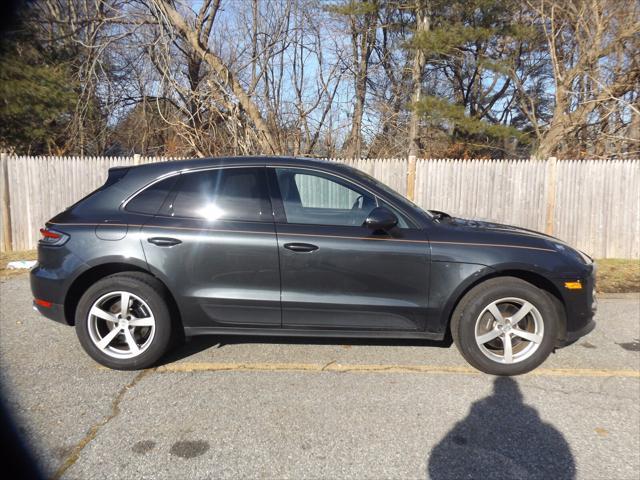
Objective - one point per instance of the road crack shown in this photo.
(328, 365)
(74, 455)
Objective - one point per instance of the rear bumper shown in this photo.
(50, 281)
(54, 312)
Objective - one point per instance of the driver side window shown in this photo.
(318, 199)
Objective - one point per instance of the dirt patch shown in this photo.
(189, 449)
(144, 446)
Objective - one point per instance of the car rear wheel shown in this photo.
(505, 326)
(123, 322)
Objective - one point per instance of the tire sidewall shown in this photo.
(473, 307)
(155, 302)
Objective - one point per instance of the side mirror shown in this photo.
(381, 218)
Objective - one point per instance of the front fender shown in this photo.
(449, 282)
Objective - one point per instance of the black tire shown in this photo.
(151, 292)
(472, 305)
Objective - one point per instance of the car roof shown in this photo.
(137, 177)
(161, 168)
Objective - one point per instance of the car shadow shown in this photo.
(502, 438)
(194, 345)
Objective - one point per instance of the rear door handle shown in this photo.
(300, 247)
(164, 241)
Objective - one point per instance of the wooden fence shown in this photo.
(592, 204)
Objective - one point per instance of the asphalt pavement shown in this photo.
(245, 407)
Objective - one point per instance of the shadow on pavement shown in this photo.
(198, 344)
(502, 438)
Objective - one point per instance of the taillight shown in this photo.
(46, 233)
(43, 303)
(52, 237)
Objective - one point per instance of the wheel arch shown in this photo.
(535, 278)
(97, 272)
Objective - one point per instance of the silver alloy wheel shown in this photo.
(121, 324)
(509, 330)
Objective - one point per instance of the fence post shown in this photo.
(552, 180)
(136, 159)
(411, 178)
(7, 238)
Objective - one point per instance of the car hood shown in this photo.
(488, 226)
(483, 231)
(492, 231)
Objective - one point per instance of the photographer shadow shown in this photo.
(502, 438)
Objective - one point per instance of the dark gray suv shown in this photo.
(285, 246)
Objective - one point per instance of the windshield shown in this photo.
(401, 199)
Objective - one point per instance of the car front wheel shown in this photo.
(123, 322)
(505, 326)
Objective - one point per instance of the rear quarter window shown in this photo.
(150, 200)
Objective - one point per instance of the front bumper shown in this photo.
(580, 306)
(575, 335)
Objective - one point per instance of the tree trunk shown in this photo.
(354, 143)
(363, 40)
(551, 142)
(354, 149)
(419, 62)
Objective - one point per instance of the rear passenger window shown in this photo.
(150, 200)
(223, 194)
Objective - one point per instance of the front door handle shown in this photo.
(164, 241)
(300, 247)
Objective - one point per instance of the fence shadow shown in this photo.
(502, 438)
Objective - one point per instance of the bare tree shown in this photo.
(83, 30)
(593, 50)
(176, 24)
(304, 77)
(314, 92)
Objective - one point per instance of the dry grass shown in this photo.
(614, 275)
(6, 257)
